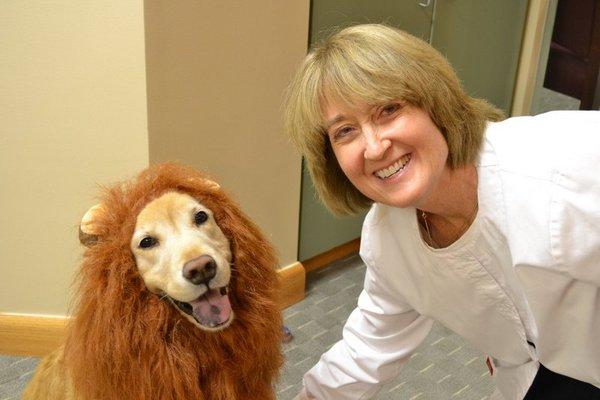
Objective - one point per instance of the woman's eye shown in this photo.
(389, 109)
(148, 242)
(200, 217)
(342, 132)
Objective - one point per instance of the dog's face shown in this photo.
(181, 253)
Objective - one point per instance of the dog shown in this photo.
(176, 299)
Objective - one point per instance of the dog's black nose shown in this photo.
(200, 270)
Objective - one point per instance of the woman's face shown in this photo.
(393, 153)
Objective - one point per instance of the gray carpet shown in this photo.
(444, 367)
(550, 100)
(15, 372)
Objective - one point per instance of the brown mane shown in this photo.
(126, 343)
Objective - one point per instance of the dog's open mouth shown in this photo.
(212, 310)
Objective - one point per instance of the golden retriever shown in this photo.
(177, 299)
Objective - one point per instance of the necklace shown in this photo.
(458, 234)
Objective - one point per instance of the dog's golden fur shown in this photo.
(125, 342)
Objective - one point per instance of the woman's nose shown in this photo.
(375, 146)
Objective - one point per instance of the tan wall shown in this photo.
(216, 75)
(72, 92)
(73, 100)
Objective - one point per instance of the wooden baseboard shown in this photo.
(30, 335)
(37, 335)
(334, 254)
(293, 278)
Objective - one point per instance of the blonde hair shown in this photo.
(375, 64)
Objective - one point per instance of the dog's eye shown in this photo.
(200, 217)
(148, 242)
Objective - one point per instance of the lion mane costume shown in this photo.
(125, 342)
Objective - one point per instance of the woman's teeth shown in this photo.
(392, 169)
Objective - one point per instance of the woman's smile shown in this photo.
(394, 169)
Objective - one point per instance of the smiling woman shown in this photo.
(468, 214)
(373, 66)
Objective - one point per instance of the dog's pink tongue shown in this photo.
(212, 308)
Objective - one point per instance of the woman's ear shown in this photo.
(88, 232)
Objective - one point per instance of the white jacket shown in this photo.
(527, 269)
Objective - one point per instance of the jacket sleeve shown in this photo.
(378, 338)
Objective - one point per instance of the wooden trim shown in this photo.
(292, 278)
(337, 253)
(30, 335)
(529, 58)
(37, 335)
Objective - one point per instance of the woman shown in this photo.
(490, 228)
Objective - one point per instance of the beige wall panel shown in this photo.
(72, 114)
(216, 76)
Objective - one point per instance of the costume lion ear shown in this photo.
(214, 185)
(205, 182)
(88, 231)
